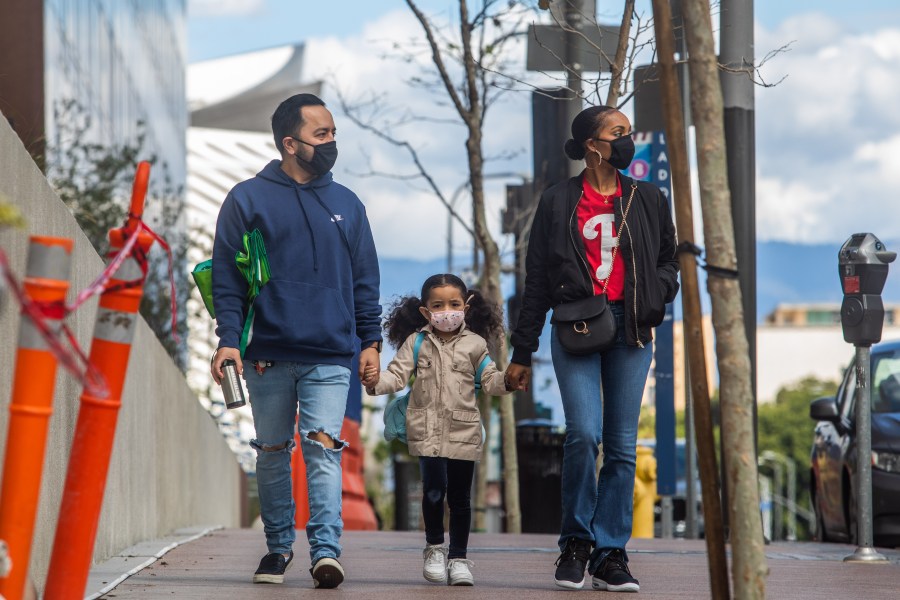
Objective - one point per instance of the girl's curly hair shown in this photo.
(483, 317)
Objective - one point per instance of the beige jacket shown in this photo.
(443, 417)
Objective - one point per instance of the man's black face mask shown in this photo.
(323, 159)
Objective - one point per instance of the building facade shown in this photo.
(114, 68)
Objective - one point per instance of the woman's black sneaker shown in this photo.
(272, 567)
(571, 563)
(612, 574)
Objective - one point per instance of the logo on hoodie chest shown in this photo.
(336, 218)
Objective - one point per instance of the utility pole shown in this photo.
(737, 56)
(574, 18)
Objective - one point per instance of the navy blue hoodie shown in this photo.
(323, 291)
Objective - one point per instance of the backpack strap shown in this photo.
(418, 344)
(484, 363)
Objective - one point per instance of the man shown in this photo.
(321, 296)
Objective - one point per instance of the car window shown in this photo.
(847, 392)
(886, 382)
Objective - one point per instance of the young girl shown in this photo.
(443, 425)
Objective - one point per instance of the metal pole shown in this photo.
(777, 500)
(449, 242)
(737, 54)
(690, 477)
(692, 530)
(864, 552)
(791, 498)
(453, 199)
(666, 524)
(574, 22)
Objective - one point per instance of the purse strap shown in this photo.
(612, 263)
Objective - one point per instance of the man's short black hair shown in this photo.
(288, 118)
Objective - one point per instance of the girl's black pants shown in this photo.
(450, 478)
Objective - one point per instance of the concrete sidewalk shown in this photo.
(388, 565)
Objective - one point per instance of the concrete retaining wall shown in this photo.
(170, 468)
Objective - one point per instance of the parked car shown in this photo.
(833, 460)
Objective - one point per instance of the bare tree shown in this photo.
(465, 67)
(749, 568)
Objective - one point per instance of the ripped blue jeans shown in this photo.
(321, 393)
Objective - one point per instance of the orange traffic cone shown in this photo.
(46, 283)
(114, 329)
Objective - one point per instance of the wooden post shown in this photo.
(748, 559)
(690, 301)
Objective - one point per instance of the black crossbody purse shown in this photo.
(587, 326)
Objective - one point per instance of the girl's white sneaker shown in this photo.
(458, 572)
(435, 569)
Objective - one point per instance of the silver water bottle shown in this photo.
(231, 385)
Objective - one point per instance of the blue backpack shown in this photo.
(395, 411)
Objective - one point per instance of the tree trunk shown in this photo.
(749, 568)
(617, 66)
(690, 298)
(490, 275)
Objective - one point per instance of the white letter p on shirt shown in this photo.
(602, 226)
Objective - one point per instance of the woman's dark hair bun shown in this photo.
(574, 150)
(584, 126)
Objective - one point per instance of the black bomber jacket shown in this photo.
(556, 267)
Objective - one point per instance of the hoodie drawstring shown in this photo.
(330, 216)
(312, 234)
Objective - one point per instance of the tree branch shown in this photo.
(438, 59)
(617, 66)
(414, 155)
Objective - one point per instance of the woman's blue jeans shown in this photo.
(320, 391)
(599, 510)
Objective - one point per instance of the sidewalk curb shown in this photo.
(106, 576)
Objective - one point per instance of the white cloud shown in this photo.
(828, 143)
(830, 201)
(883, 159)
(224, 8)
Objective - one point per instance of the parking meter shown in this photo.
(863, 268)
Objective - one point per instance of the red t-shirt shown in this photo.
(597, 225)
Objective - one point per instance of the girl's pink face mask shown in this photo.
(448, 320)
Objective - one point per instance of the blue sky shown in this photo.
(222, 27)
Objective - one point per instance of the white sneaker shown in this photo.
(458, 572)
(435, 569)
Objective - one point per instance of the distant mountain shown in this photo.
(804, 273)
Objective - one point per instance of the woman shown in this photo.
(598, 233)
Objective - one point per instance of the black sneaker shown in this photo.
(571, 562)
(327, 573)
(272, 567)
(612, 574)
